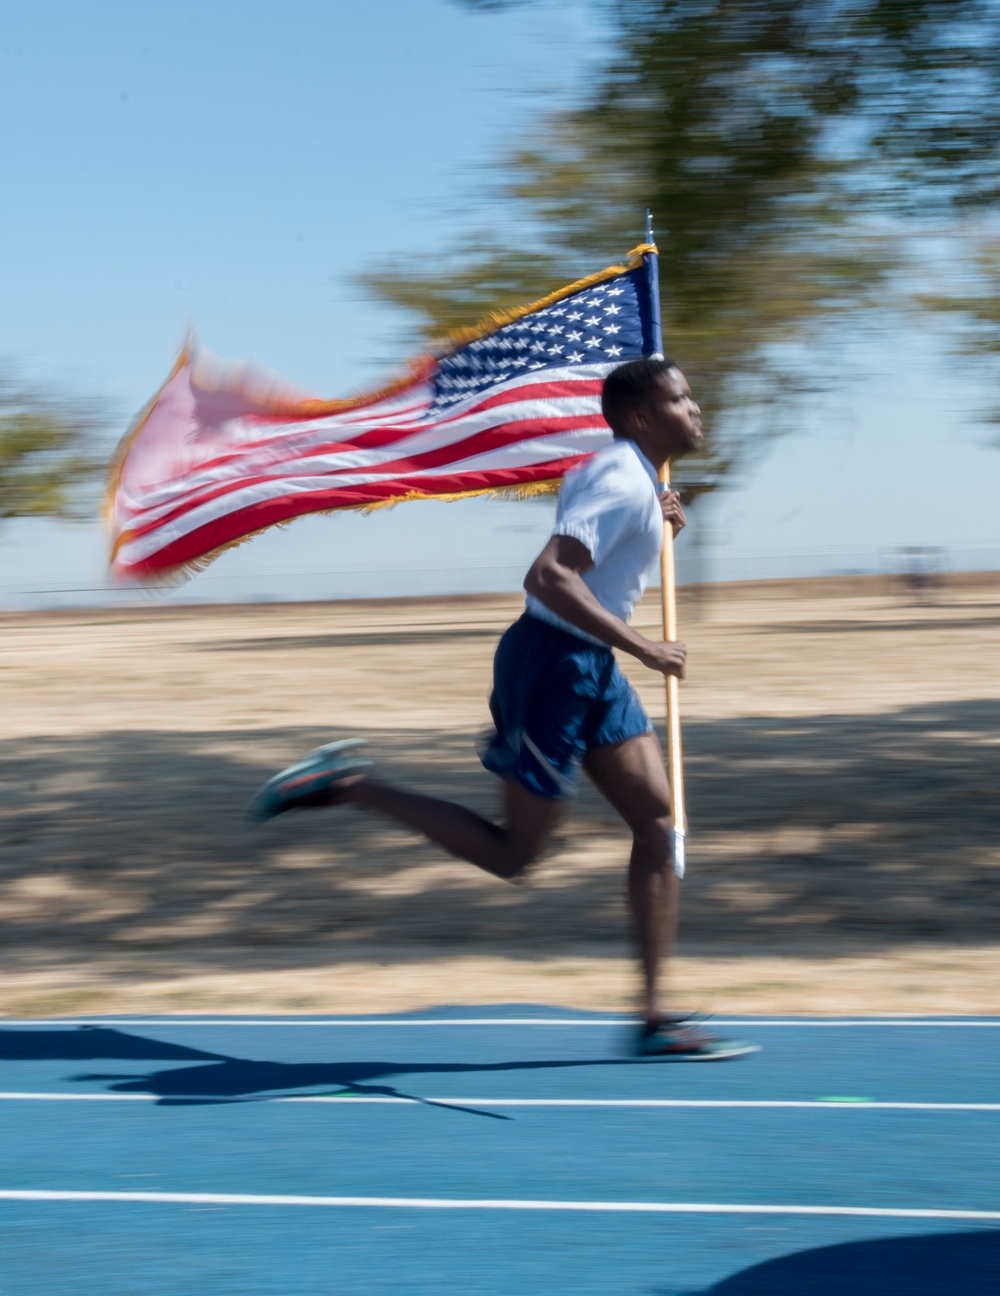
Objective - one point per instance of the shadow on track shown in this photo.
(80, 1042)
(222, 1079)
(938, 1264)
(239, 1080)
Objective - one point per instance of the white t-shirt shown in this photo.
(610, 504)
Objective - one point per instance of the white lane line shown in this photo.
(339, 1021)
(386, 1100)
(742, 1022)
(500, 1204)
(28, 1096)
(644, 1103)
(857, 1021)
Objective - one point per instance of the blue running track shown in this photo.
(499, 1151)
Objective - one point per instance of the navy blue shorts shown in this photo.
(554, 697)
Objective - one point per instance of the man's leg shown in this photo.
(503, 851)
(632, 778)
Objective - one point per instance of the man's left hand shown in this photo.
(670, 504)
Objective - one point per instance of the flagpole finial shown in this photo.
(649, 225)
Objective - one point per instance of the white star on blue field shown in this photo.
(599, 325)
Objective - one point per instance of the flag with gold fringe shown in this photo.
(507, 406)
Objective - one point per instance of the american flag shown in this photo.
(510, 405)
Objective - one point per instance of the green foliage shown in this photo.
(47, 468)
(765, 135)
(972, 300)
(978, 304)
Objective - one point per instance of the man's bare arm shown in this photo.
(555, 578)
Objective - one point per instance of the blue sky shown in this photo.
(230, 166)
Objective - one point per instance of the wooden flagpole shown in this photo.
(675, 761)
(668, 595)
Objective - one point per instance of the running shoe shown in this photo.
(671, 1041)
(310, 782)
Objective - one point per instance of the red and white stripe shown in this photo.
(210, 465)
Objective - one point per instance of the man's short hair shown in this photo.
(628, 386)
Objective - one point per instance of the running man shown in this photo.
(559, 699)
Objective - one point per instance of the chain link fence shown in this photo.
(914, 566)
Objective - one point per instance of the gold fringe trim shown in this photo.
(416, 370)
(524, 491)
(497, 319)
(172, 576)
(281, 408)
(117, 462)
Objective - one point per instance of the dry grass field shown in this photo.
(843, 773)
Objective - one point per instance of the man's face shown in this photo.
(671, 415)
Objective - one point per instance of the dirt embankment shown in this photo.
(843, 783)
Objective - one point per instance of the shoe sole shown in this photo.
(260, 808)
(725, 1054)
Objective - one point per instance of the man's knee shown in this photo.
(654, 838)
(519, 857)
(530, 823)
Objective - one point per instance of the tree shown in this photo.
(771, 138)
(47, 466)
(971, 299)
